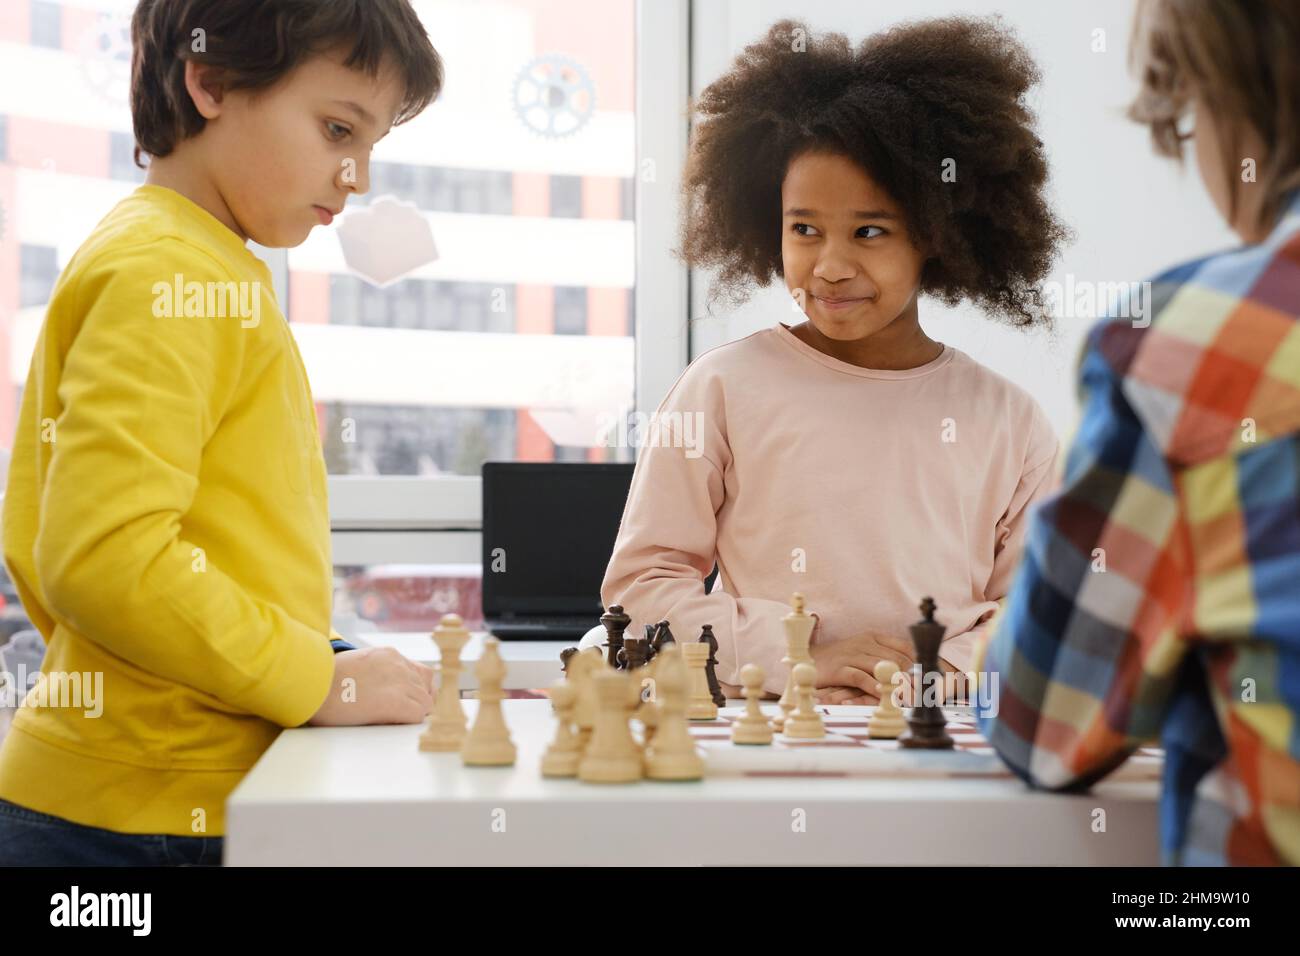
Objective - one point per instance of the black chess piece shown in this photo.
(633, 654)
(652, 643)
(926, 724)
(652, 648)
(565, 656)
(711, 667)
(662, 636)
(615, 623)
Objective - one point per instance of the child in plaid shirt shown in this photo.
(1158, 592)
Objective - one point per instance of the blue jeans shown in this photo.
(28, 838)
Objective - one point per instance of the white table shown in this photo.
(356, 796)
(529, 664)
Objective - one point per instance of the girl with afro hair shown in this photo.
(850, 457)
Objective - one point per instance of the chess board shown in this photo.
(846, 751)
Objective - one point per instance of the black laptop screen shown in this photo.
(548, 531)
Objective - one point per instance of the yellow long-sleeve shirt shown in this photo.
(166, 526)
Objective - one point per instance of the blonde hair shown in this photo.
(1239, 59)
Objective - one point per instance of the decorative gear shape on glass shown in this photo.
(554, 96)
(106, 59)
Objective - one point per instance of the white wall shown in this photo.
(1134, 213)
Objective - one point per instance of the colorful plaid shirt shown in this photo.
(1159, 594)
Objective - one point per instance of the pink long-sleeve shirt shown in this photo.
(863, 489)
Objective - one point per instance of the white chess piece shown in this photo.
(582, 670)
(798, 633)
(700, 705)
(752, 727)
(804, 722)
(446, 729)
(670, 754)
(886, 721)
(489, 743)
(613, 755)
(562, 756)
(646, 708)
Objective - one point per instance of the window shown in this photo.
(47, 24)
(121, 157)
(406, 597)
(38, 269)
(516, 342)
(566, 197)
(570, 310)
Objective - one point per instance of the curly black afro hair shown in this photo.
(899, 105)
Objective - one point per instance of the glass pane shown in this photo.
(66, 158)
(406, 597)
(516, 342)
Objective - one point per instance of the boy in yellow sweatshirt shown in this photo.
(165, 521)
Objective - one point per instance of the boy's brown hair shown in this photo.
(257, 42)
(1239, 57)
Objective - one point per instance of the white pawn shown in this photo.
(489, 743)
(752, 727)
(562, 756)
(886, 721)
(804, 722)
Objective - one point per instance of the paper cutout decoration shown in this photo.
(386, 241)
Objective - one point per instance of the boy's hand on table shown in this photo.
(385, 688)
(851, 663)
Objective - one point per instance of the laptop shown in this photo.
(548, 533)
